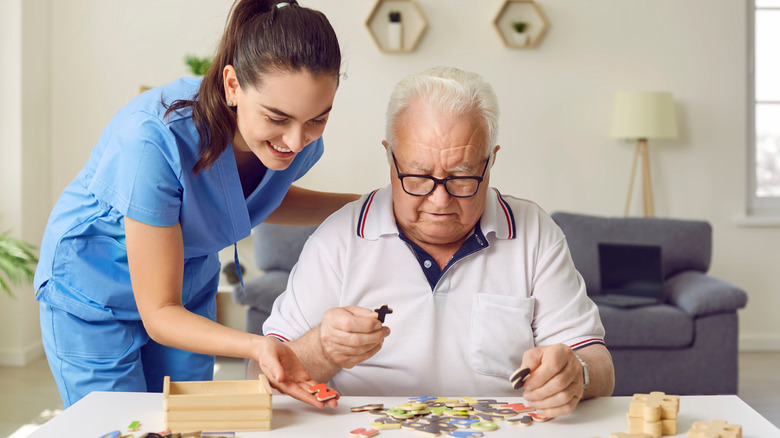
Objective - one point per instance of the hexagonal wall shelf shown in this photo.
(524, 11)
(396, 25)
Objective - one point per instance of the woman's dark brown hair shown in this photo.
(259, 38)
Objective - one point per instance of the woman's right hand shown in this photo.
(286, 373)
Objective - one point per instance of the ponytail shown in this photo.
(261, 37)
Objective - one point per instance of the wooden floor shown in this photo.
(29, 397)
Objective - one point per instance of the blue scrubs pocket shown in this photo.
(96, 267)
(92, 340)
(500, 333)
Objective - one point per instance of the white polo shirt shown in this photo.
(460, 334)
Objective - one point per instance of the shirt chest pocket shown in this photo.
(500, 333)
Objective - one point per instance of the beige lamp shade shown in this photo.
(643, 115)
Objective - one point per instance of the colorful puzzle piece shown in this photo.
(112, 434)
(525, 420)
(519, 377)
(369, 407)
(387, 423)
(134, 426)
(323, 392)
(715, 429)
(363, 432)
(382, 311)
(465, 434)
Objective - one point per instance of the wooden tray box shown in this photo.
(217, 406)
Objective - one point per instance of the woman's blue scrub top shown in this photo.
(141, 168)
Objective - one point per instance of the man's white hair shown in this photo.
(453, 90)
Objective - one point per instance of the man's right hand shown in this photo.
(351, 335)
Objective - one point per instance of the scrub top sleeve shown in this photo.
(313, 287)
(564, 314)
(138, 174)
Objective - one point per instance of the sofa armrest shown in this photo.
(263, 290)
(699, 294)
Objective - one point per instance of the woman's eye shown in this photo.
(276, 121)
(319, 121)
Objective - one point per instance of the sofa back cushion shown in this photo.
(278, 247)
(685, 244)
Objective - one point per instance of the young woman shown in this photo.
(128, 267)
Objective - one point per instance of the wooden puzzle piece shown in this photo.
(465, 434)
(436, 429)
(399, 414)
(134, 426)
(525, 421)
(654, 406)
(422, 398)
(112, 434)
(381, 312)
(463, 423)
(386, 423)
(519, 377)
(369, 407)
(538, 418)
(654, 428)
(323, 392)
(630, 435)
(518, 408)
(715, 429)
(364, 432)
(484, 426)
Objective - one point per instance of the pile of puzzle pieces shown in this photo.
(433, 416)
(654, 414)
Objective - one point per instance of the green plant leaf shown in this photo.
(17, 262)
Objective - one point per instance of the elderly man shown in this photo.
(480, 283)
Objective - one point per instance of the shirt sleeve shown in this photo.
(564, 314)
(138, 174)
(313, 287)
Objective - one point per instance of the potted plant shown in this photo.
(17, 262)
(198, 66)
(519, 36)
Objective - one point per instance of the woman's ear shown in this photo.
(231, 83)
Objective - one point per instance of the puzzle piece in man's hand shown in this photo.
(381, 312)
(519, 377)
(323, 392)
(715, 429)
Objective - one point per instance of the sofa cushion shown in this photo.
(279, 246)
(647, 326)
(685, 244)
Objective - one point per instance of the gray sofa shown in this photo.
(686, 345)
(276, 250)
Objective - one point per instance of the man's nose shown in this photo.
(439, 195)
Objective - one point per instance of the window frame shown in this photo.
(758, 207)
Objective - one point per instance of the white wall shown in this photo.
(555, 105)
(25, 119)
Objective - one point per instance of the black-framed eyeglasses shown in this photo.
(424, 185)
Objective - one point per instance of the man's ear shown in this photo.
(495, 153)
(230, 80)
(385, 144)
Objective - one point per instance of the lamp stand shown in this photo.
(647, 189)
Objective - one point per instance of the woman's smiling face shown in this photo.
(279, 118)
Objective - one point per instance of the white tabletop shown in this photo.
(103, 412)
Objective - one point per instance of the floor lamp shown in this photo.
(641, 115)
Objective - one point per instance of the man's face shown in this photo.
(432, 142)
